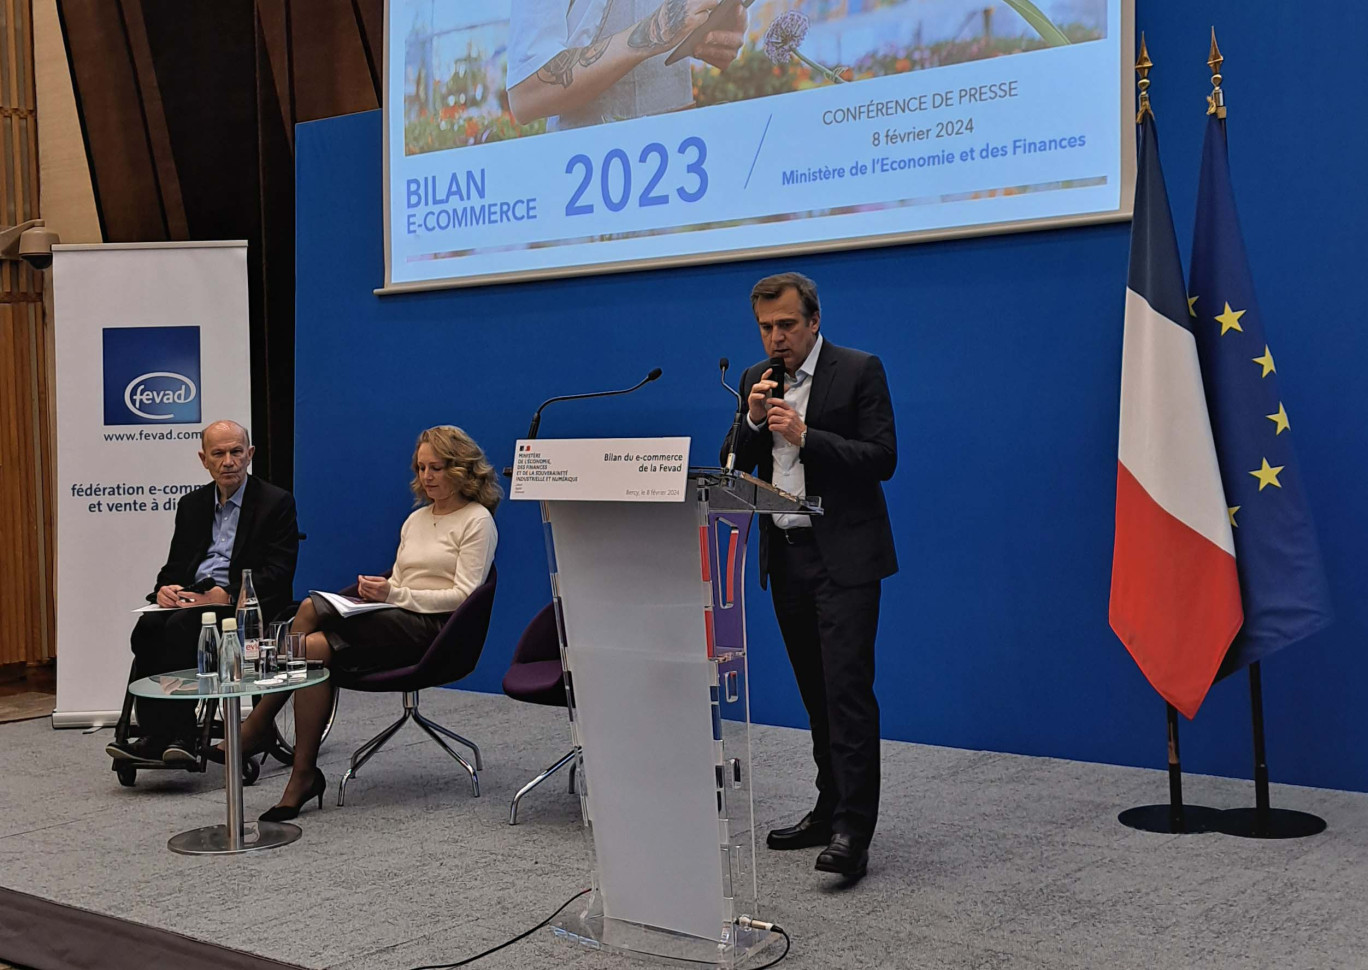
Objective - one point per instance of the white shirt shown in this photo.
(788, 470)
(541, 29)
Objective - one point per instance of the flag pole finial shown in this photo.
(1142, 68)
(1215, 100)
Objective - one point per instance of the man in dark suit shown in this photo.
(830, 435)
(235, 522)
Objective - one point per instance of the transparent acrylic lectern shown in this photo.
(651, 615)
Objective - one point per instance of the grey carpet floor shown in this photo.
(982, 860)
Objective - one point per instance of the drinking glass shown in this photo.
(296, 663)
(270, 647)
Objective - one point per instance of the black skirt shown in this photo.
(365, 643)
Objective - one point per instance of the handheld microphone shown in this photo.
(723, 364)
(536, 418)
(777, 375)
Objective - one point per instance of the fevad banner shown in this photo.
(151, 345)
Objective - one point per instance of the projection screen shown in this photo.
(539, 138)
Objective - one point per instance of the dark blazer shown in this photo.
(851, 448)
(267, 543)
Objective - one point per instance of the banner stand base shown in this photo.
(1195, 820)
(88, 720)
(1271, 823)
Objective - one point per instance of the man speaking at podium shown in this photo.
(829, 433)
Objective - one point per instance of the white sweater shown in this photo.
(442, 558)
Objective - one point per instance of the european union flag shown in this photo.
(1282, 578)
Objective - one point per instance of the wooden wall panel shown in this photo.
(118, 144)
(67, 198)
(138, 90)
(187, 114)
(25, 443)
(154, 120)
(331, 71)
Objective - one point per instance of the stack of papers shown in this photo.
(350, 605)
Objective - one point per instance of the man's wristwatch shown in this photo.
(802, 440)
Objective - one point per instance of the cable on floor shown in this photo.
(495, 949)
(775, 927)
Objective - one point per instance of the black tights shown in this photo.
(311, 708)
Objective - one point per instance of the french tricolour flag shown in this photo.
(1175, 593)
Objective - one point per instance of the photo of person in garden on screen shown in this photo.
(479, 71)
(604, 60)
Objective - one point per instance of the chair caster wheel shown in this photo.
(250, 771)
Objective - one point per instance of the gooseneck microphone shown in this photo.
(723, 364)
(536, 418)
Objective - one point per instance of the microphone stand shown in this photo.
(723, 364)
(536, 418)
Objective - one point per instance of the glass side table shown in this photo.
(236, 836)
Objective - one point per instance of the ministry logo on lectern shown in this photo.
(151, 375)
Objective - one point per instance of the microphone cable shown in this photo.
(745, 921)
(495, 949)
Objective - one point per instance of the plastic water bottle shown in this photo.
(249, 623)
(207, 653)
(230, 655)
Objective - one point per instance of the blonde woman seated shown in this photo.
(445, 551)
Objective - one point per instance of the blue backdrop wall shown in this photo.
(1003, 355)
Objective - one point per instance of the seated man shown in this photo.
(233, 523)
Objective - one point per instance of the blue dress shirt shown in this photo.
(226, 515)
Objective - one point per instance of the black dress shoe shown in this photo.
(807, 834)
(846, 856)
(142, 749)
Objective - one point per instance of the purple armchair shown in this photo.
(536, 676)
(452, 655)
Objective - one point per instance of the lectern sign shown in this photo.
(601, 469)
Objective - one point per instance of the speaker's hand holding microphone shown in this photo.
(770, 385)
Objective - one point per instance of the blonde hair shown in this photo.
(467, 468)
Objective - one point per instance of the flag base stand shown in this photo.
(1273, 823)
(1263, 821)
(1192, 820)
(1175, 818)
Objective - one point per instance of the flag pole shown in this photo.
(1175, 772)
(1261, 801)
(1174, 818)
(1263, 821)
(1256, 713)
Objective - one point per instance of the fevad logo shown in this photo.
(151, 375)
(160, 389)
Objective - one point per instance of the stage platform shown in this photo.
(981, 861)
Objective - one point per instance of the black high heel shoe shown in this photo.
(283, 813)
(219, 756)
